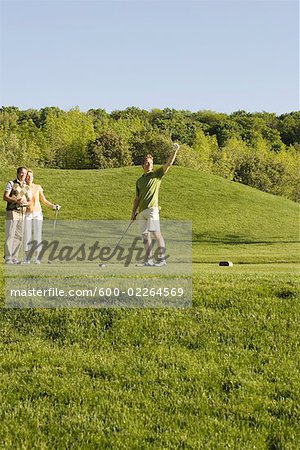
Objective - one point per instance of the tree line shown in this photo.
(258, 149)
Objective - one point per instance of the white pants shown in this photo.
(33, 230)
(14, 227)
(149, 220)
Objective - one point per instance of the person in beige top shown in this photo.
(34, 215)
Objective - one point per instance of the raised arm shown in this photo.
(171, 158)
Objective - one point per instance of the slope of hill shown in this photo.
(228, 218)
(219, 209)
(222, 374)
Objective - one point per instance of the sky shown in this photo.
(215, 55)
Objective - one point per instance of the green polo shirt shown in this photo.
(147, 187)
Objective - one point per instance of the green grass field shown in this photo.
(223, 374)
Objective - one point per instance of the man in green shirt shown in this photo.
(146, 203)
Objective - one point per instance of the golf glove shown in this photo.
(56, 207)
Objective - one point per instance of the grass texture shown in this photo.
(223, 374)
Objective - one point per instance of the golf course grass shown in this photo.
(223, 374)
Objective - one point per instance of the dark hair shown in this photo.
(19, 169)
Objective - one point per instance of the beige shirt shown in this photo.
(34, 194)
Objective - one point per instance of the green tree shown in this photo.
(188, 157)
(178, 125)
(109, 150)
(9, 148)
(229, 159)
(67, 135)
(32, 143)
(101, 120)
(289, 159)
(289, 128)
(153, 143)
(9, 142)
(78, 132)
(32, 115)
(205, 146)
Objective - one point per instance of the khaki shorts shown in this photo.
(149, 220)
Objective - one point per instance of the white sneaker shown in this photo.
(8, 262)
(148, 263)
(26, 261)
(37, 261)
(15, 261)
(160, 263)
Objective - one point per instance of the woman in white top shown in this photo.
(34, 215)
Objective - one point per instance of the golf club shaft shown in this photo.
(54, 224)
(131, 222)
(116, 245)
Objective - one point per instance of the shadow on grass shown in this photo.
(234, 239)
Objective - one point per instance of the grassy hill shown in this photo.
(230, 220)
(220, 209)
(222, 374)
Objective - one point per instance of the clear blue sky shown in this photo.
(219, 55)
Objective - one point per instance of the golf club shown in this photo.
(54, 227)
(116, 245)
(23, 209)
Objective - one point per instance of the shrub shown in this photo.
(109, 150)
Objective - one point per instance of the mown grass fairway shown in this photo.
(223, 374)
